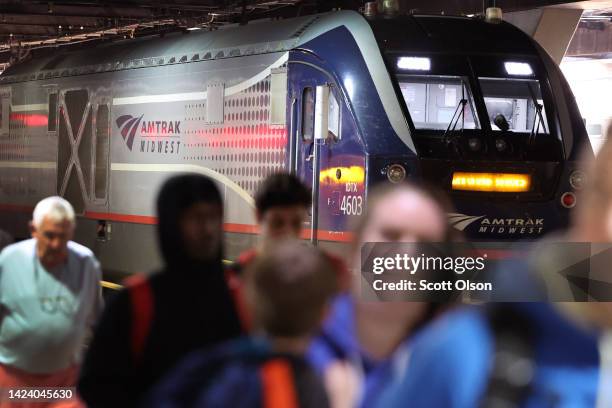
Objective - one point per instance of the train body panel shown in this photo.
(322, 96)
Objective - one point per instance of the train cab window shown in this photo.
(308, 114)
(514, 104)
(52, 120)
(433, 101)
(102, 141)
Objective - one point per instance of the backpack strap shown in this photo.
(244, 259)
(278, 385)
(142, 302)
(511, 377)
(343, 276)
(234, 283)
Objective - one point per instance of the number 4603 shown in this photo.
(351, 205)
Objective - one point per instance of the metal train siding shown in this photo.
(319, 95)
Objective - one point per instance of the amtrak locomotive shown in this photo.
(476, 108)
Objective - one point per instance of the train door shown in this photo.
(309, 90)
(83, 149)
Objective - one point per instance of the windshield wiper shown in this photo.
(537, 119)
(452, 125)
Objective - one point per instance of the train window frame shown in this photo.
(311, 119)
(95, 145)
(485, 81)
(436, 79)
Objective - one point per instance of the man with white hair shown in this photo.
(49, 298)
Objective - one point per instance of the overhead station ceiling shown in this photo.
(28, 25)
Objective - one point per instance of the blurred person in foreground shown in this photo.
(288, 290)
(153, 323)
(281, 207)
(525, 354)
(50, 298)
(362, 342)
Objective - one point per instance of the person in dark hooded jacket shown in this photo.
(149, 326)
(288, 289)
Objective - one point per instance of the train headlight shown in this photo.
(501, 145)
(474, 144)
(577, 180)
(492, 182)
(414, 63)
(518, 68)
(396, 173)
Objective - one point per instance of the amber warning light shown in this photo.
(493, 182)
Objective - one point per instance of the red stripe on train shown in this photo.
(339, 236)
(16, 208)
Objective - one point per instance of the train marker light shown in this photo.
(494, 15)
(396, 173)
(414, 63)
(342, 175)
(491, 182)
(577, 180)
(568, 200)
(518, 68)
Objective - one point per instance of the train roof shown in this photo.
(450, 34)
(426, 33)
(253, 38)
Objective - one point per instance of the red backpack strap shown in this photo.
(343, 275)
(245, 258)
(233, 277)
(234, 284)
(141, 299)
(278, 385)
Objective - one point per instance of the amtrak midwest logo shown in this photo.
(155, 136)
(504, 226)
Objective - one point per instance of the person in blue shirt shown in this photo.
(50, 298)
(451, 363)
(352, 351)
(561, 353)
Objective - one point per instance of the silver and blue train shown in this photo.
(475, 108)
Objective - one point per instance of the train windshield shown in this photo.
(439, 102)
(514, 104)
